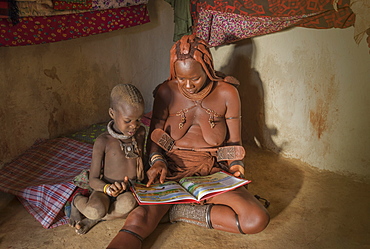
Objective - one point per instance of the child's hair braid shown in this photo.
(126, 93)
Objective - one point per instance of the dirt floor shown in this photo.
(309, 208)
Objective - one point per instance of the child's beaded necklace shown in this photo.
(128, 148)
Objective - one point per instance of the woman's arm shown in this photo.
(140, 138)
(158, 168)
(233, 116)
(233, 124)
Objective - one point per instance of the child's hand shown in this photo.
(117, 188)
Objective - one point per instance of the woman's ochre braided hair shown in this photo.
(190, 46)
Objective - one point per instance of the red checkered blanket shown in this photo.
(42, 177)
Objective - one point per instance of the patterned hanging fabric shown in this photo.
(222, 22)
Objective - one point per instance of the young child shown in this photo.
(116, 157)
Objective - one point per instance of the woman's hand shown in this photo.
(158, 170)
(237, 170)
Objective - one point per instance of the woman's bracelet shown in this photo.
(236, 162)
(156, 156)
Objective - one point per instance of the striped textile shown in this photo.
(4, 9)
(46, 203)
(42, 177)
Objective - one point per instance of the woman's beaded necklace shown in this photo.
(197, 99)
(196, 96)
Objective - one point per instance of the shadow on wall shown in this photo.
(272, 177)
(254, 129)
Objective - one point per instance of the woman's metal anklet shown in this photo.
(132, 233)
(238, 224)
(208, 216)
(194, 214)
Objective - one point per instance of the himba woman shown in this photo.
(195, 112)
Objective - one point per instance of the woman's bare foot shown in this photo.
(83, 226)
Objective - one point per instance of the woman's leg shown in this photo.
(139, 224)
(238, 211)
(235, 211)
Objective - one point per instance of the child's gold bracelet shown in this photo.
(105, 188)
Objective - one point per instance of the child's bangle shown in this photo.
(109, 192)
(105, 188)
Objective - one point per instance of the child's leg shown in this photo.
(95, 207)
(75, 216)
(85, 225)
(139, 224)
(121, 207)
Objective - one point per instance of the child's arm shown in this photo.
(96, 164)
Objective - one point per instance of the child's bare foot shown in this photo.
(76, 216)
(83, 226)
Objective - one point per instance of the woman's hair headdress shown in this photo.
(190, 46)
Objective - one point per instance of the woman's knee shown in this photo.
(255, 222)
(147, 215)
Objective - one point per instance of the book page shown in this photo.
(161, 193)
(201, 186)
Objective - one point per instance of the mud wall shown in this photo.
(304, 91)
(305, 95)
(53, 89)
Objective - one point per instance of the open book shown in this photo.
(192, 189)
